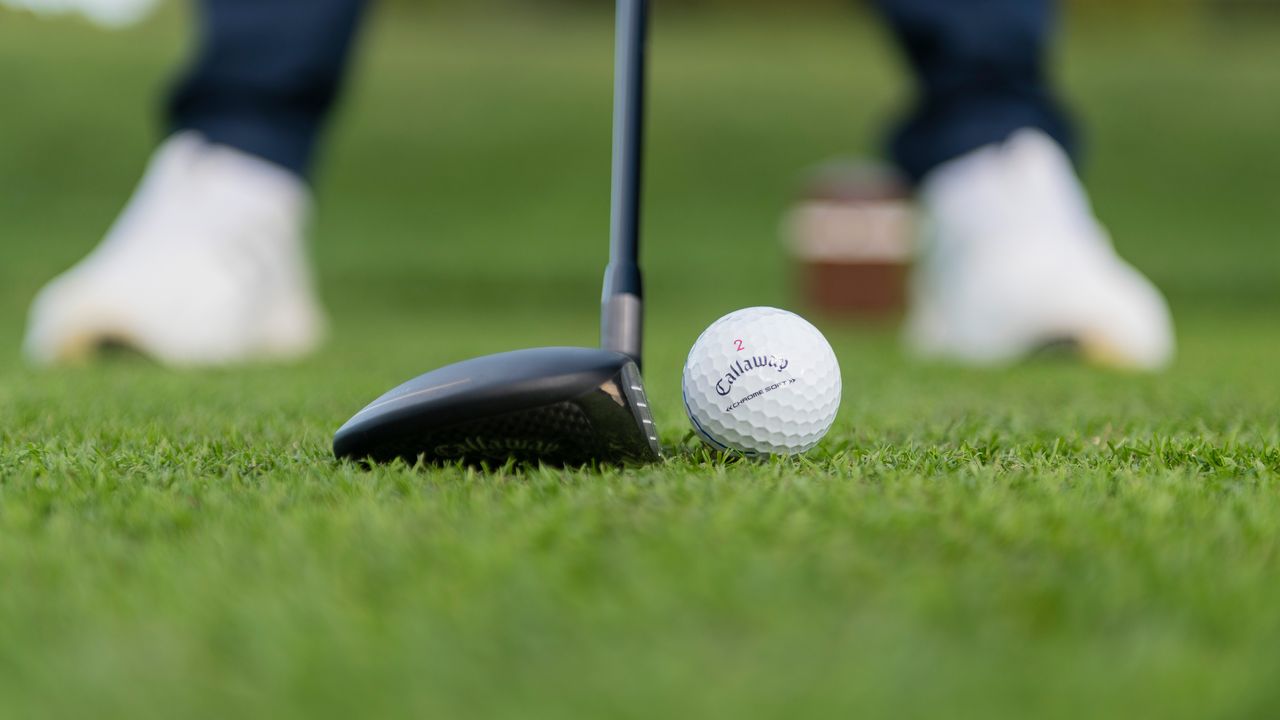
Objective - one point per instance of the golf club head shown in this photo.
(558, 405)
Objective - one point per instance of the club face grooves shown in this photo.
(557, 406)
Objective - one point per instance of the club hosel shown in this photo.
(622, 312)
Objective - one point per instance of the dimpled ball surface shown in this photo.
(762, 381)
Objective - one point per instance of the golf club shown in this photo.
(557, 405)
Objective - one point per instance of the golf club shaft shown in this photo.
(622, 312)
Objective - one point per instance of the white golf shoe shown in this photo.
(1015, 261)
(205, 266)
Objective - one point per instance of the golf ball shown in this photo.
(762, 381)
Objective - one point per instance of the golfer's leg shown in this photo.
(266, 74)
(980, 67)
(207, 265)
(1015, 258)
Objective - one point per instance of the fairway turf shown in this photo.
(1047, 541)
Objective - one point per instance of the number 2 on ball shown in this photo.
(738, 343)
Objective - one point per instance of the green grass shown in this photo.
(1047, 541)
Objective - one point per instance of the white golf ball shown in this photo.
(762, 381)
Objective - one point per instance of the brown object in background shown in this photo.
(851, 235)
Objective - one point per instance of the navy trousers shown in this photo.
(266, 75)
(268, 71)
(980, 68)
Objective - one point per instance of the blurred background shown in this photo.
(464, 193)
(205, 546)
